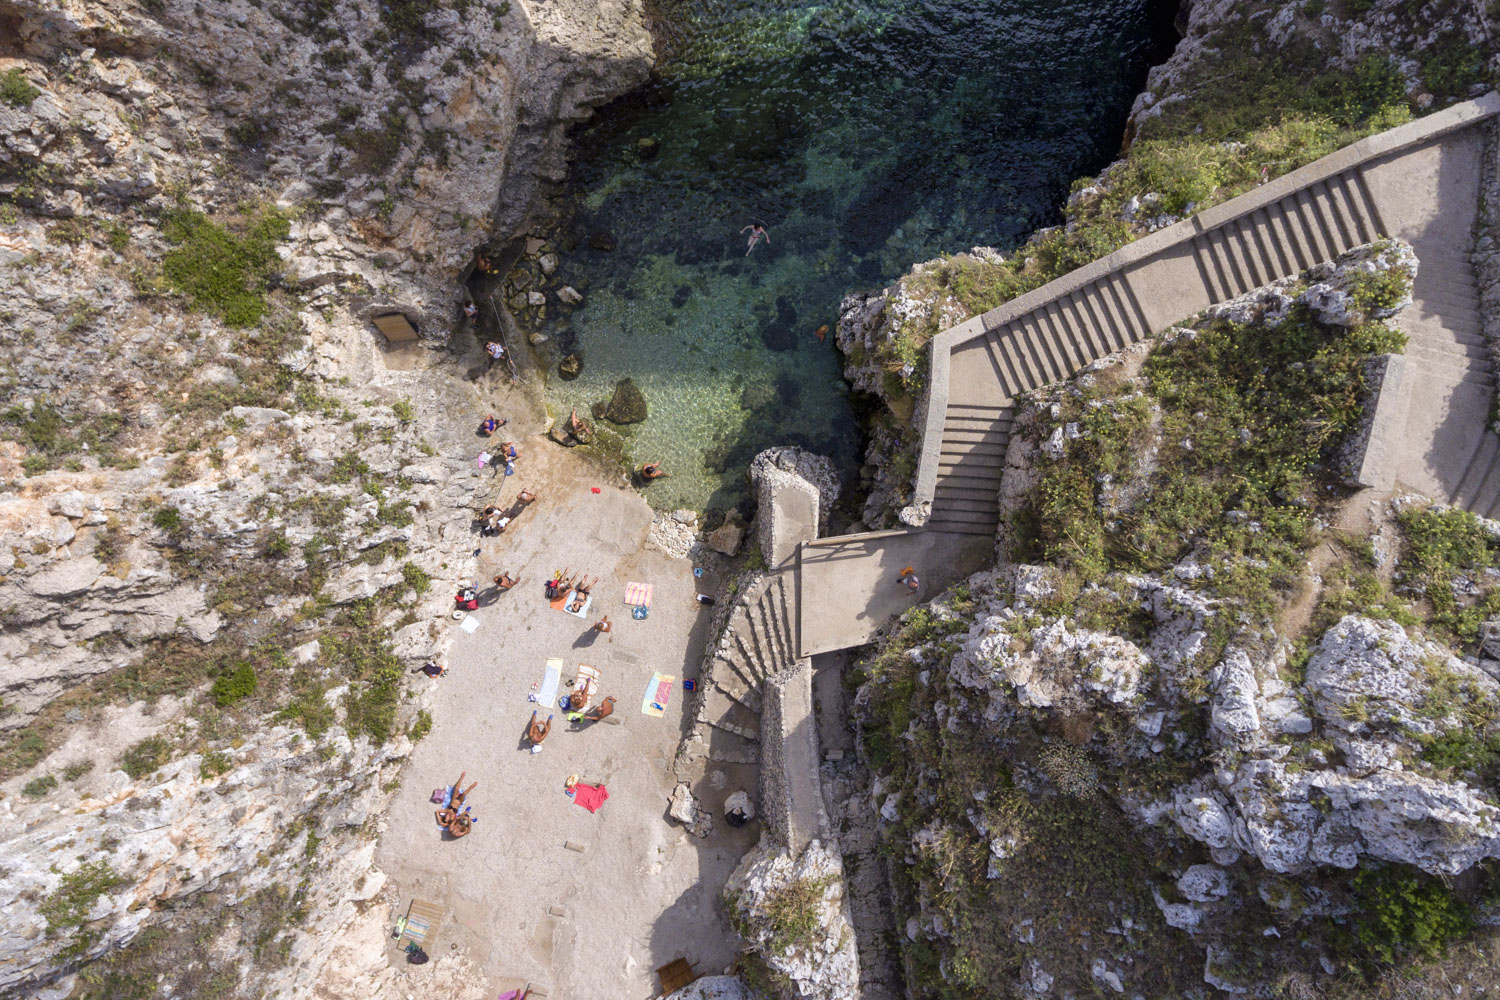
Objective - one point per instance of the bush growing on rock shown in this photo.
(143, 758)
(1400, 913)
(234, 685)
(37, 787)
(69, 905)
(16, 90)
(219, 271)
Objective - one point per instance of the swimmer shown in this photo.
(757, 233)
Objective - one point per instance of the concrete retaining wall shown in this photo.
(1367, 457)
(791, 798)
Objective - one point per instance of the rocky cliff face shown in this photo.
(1198, 737)
(224, 502)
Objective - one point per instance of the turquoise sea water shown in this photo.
(866, 135)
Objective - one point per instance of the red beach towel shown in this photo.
(591, 797)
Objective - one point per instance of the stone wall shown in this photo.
(1486, 256)
(792, 488)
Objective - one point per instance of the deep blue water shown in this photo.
(866, 135)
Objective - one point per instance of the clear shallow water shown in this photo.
(866, 135)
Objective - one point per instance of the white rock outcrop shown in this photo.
(824, 966)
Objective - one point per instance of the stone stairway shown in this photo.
(758, 643)
(1063, 334)
(1445, 334)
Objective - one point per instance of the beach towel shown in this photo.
(591, 797)
(547, 694)
(421, 917)
(657, 693)
(587, 673)
(560, 602)
(469, 624)
(638, 595)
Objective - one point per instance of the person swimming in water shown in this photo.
(757, 233)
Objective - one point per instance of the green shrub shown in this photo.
(420, 726)
(1401, 913)
(234, 685)
(404, 411)
(69, 905)
(1437, 548)
(795, 913)
(37, 787)
(77, 769)
(417, 578)
(145, 757)
(214, 763)
(279, 547)
(219, 271)
(16, 90)
(169, 519)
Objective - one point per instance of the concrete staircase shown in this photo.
(1446, 336)
(758, 643)
(1061, 336)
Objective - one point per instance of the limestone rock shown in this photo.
(727, 537)
(570, 295)
(714, 988)
(627, 405)
(684, 806)
(822, 966)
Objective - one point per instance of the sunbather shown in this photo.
(602, 711)
(505, 581)
(579, 699)
(576, 604)
(585, 588)
(537, 731)
(525, 497)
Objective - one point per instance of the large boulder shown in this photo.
(627, 405)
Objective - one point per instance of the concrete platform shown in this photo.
(848, 587)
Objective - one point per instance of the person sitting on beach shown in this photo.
(483, 263)
(653, 470)
(579, 699)
(525, 497)
(508, 452)
(489, 426)
(495, 350)
(432, 668)
(537, 731)
(505, 581)
(470, 310)
(602, 711)
(602, 625)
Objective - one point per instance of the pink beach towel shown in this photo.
(591, 797)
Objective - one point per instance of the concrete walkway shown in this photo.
(848, 584)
